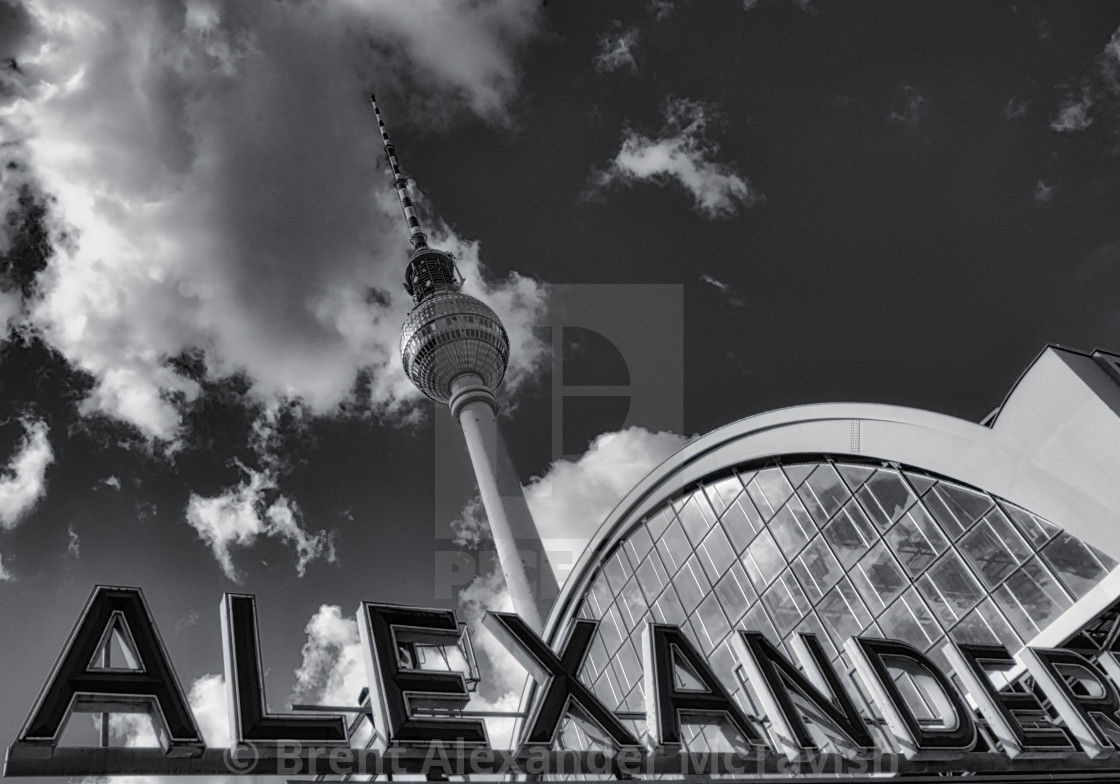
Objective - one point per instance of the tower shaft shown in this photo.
(527, 568)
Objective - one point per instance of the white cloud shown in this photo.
(804, 5)
(215, 175)
(1043, 192)
(616, 50)
(914, 107)
(729, 295)
(23, 481)
(1073, 115)
(333, 669)
(1015, 108)
(237, 517)
(573, 498)
(661, 9)
(469, 529)
(681, 153)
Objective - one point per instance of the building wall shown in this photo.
(863, 519)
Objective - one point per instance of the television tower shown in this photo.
(455, 350)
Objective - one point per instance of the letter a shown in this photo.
(78, 684)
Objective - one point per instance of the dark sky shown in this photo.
(859, 201)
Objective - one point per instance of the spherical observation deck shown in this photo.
(449, 334)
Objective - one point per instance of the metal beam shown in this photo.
(453, 760)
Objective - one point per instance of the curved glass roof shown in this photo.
(831, 548)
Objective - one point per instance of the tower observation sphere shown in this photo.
(451, 334)
(456, 351)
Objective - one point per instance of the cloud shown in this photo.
(805, 5)
(616, 50)
(333, 668)
(237, 517)
(207, 700)
(682, 153)
(729, 295)
(1095, 94)
(216, 183)
(661, 9)
(470, 528)
(914, 107)
(1043, 192)
(23, 246)
(1073, 115)
(23, 481)
(1015, 108)
(573, 498)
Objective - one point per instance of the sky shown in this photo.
(717, 209)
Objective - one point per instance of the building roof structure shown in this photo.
(872, 520)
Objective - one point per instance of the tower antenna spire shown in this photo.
(416, 235)
(456, 351)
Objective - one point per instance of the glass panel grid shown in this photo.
(878, 578)
(740, 522)
(907, 556)
(950, 588)
(763, 561)
(850, 534)
(817, 569)
(823, 493)
(885, 498)
(916, 539)
(769, 490)
(696, 516)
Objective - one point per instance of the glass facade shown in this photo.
(831, 548)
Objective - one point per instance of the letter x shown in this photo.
(563, 691)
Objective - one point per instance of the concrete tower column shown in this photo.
(528, 571)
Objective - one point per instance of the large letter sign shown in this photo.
(1005, 710)
(874, 659)
(398, 686)
(561, 689)
(788, 697)
(79, 683)
(1090, 715)
(811, 721)
(665, 648)
(249, 720)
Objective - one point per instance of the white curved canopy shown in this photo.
(1053, 447)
